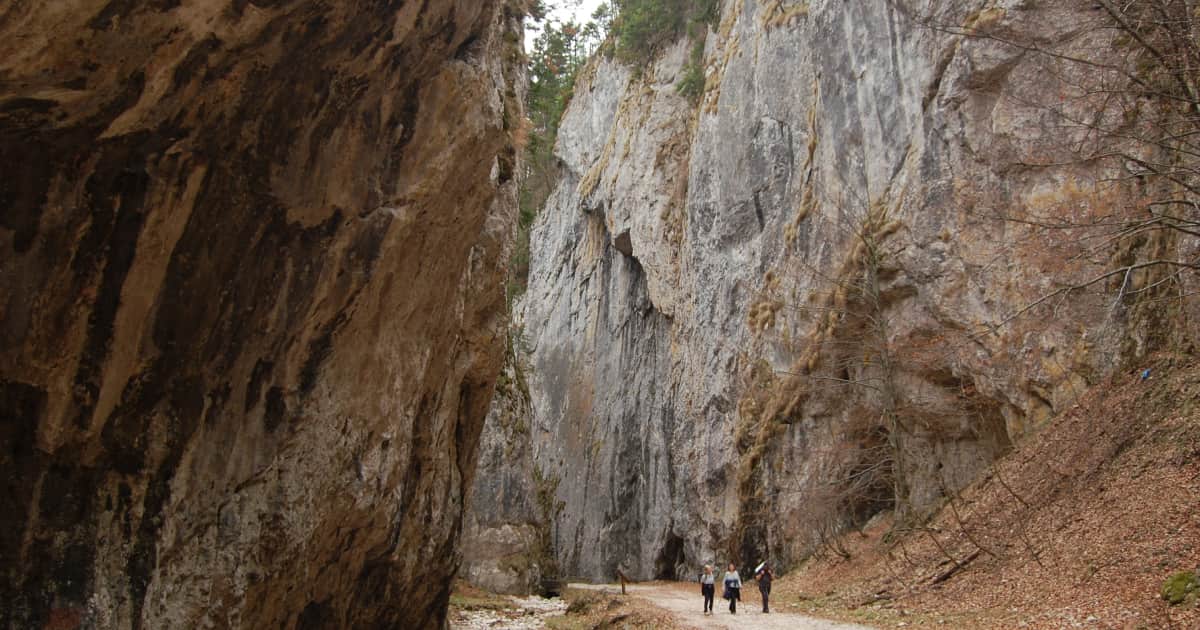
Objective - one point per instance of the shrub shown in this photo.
(642, 27)
(1181, 587)
(691, 84)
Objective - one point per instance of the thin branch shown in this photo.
(1135, 33)
(1083, 285)
(962, 525)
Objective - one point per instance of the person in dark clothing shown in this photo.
(764, 577)
(707, 588)
(733, 587)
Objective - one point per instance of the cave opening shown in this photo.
(670, 558)
(870, 475)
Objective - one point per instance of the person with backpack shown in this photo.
(764, 577)
(733, 587)
(707, 588)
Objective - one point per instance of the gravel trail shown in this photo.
(683, 600)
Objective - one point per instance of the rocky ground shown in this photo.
(582, 607)
(475, 609)
(518, 613)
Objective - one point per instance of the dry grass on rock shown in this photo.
(598, 610)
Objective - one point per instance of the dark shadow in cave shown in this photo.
(669, 559)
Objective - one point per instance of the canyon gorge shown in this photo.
(817, 267)
(288, 341)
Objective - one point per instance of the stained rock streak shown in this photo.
(708, 368)
(251, 309)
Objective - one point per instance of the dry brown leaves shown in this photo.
(1078, 527)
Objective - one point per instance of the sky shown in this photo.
(563, 10)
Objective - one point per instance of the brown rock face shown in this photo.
(507, 525)
(250, 305)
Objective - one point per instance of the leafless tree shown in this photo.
(1123, 89)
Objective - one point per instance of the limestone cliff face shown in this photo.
(678, 278)
(505, 531)
(250, 303)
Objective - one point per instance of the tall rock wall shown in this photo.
(506, 529)
(251, 306)
(697, 378)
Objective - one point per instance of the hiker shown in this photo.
(733, 587)
(707, 588)
(764, 577)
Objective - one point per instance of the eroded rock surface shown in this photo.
(251, 306)
(506, 529)
(673, 267)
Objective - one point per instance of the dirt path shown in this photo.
(683, 600)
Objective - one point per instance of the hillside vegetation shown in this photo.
(1083, 522)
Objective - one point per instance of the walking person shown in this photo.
(708, 588)
(733, 588)
(764, 577)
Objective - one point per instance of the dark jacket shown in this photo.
(764, 578)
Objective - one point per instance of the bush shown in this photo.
(642, 27)
(1181, 587)
(582, 604)
(691, 84)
